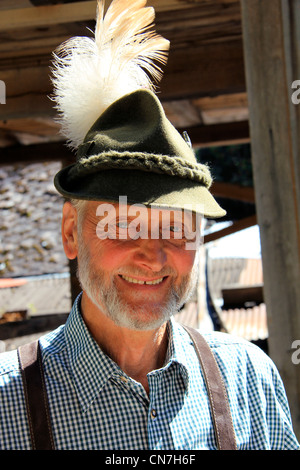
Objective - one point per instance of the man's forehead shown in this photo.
(123, 221)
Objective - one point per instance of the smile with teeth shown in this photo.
(138, 281)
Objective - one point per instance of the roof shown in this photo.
(243, 279)
(233, 272)
(40, 295)
(248, 323)
(35, 305)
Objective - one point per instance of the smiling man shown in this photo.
(121, 374)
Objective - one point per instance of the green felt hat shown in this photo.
(133, 150)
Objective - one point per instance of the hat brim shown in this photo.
(140, 187)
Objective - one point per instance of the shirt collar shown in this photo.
(177, 350)
(88, 360)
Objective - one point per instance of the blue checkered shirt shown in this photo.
(95, 405)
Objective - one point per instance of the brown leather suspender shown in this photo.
(216, 391)
(37, 401)
(36, 396)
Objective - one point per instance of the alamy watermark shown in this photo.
(125, 221)
(2, 92)
(296, 353)
(296, 94)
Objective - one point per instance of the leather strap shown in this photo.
(216, 390)
(35, 396)
(37, 401)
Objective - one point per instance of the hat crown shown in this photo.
(135, 123)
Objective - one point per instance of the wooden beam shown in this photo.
(37, 324)
(272, 59)
(209, 70)
(234, 296)
(235, 227)
(27, 86)
(37, 3)
(35, 127)
(233, 191)
(218, 134)
(47, 15)
(55, 151)
(27, 90)
(43, 16)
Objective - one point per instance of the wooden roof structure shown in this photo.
(203, 84)
(203, 89)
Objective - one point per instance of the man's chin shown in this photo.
(132, 322)
(136, 316)
(140, 317)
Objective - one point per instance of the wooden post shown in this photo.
(272, 61)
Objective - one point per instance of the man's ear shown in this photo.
(69, 230)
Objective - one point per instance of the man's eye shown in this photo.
(123, 224)
(176, 228)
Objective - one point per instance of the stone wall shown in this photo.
(30, 218)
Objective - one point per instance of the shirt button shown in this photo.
(153, 413)
(124, 379)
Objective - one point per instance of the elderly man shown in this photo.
(121, 373)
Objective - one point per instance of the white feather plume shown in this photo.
(89, 74)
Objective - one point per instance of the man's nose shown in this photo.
(151, 254)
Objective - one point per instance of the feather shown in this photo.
(89, 74)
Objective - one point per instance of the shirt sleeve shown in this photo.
(278, 415)
(257, 396)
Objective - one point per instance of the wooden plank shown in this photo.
(233, 191)
(210, 70)
(28, 86)
(39, 126)
(205, 23)
(201, 136)
(39, 17)
(182, 113)
(270, 56)
(237, 100)
(205, 17)
(218, 134)
(37, 3)
(42, 16)
(55, 151)
(238, 295)
(8, 4)
(38, 323)
(235, 227)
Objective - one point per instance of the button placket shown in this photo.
(123, 379)
(154, 379)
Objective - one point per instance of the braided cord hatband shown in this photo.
(174, 166)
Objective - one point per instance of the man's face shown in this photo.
(135, 267)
